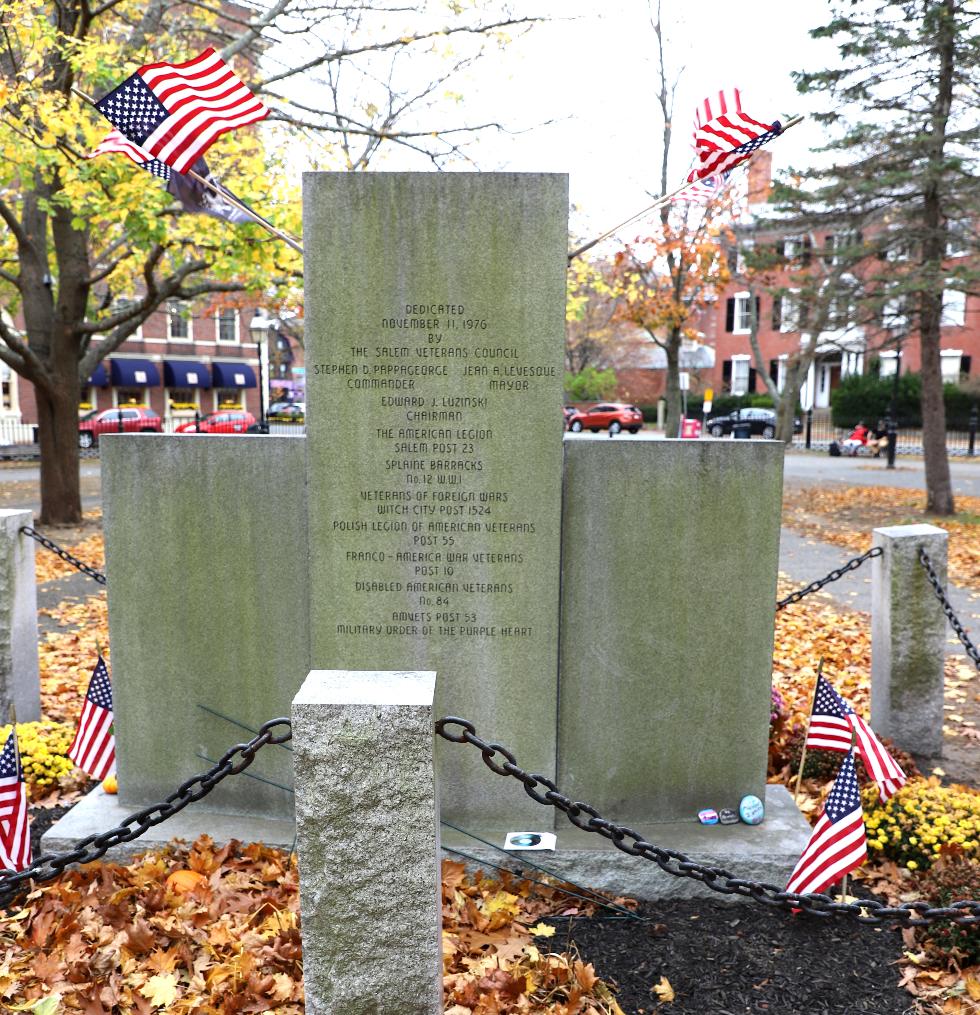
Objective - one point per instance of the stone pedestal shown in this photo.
(669, 562)
(367, 833)
(20, 684)
(908, 638)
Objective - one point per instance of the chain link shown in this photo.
(64, 554)
(50, 865)
(839, 572)
(954, 621)
(502, 761)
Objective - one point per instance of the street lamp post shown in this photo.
(893, 408)
(259, 330)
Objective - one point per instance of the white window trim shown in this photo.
(237, 340)
(948, 356)
(782, 361)
(739, 358)
(736, 330)
(190, 327)
(789, 311)
(958, 308)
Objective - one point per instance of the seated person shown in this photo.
(878, 441)
(857, 439)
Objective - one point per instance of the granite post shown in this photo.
(435, 322)
(908, 638)
(367, 835)
(20, 683)
(668, 605)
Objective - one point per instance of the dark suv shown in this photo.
(761, 422)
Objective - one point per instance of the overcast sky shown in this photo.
(596, 75)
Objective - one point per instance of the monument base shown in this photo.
(99, 811)
(766, 852)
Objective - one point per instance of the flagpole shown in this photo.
(222, 192)
(799, 777)
(656, 204)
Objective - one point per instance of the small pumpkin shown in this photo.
(184, 882)
(110, 785)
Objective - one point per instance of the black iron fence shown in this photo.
(818, 433)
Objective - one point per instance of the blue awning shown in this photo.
(233, 375)
(100, 376)
(134, 373)
(183, 373)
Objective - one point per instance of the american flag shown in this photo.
(704, 191)
(176, 111)
(15, 827)
(116, 142)
(724, 136)
(94, 746)
(837, 843)
(831, 724)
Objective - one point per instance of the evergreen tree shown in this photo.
(899, 179)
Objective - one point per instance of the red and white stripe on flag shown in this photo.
(116, 142)
(837, 843)
(828, 733)
(205, 99)
(724, 135)
(878, 763)
(15, 827)
(94, 748)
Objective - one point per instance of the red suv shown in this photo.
(226, 421)
(614, 416)
(128, 419)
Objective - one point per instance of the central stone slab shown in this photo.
(435, 324)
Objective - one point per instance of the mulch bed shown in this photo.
(728, 959)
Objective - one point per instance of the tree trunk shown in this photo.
(939, 487)
(61, 502)
(672, 424)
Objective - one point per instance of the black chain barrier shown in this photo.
(852, 565)
(871, 911)
(64, 554)
(50, 865)
(954, 621)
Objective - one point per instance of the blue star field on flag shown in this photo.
(133, 108)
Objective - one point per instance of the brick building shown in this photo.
(845, 350)
(184, 359)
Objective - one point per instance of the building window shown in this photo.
(954, 308)
(226, 322)
(951, 360)
(6, 388)
(790, 311)
(893, 314)
(888, 364)
(178, 321)
(229, 398)
(182, 399)
(958, 239)
(796, 248)
(842, 246)
(739, 314)
(740, 375)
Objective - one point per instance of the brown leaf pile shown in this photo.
(491, 962)
(845, 517)
(109, 938)
(48, 565)
(67, 659)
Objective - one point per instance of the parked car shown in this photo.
(614, 416)
(225, 421)
(127, 419)
(278, 406)
(761, 422)
(293, 412)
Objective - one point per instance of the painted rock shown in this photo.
(708, 817)
(750, 810)
(727, 817)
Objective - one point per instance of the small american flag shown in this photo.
(176, 111)
(94, 746)
(116, 142)
(837, 843)
(15, 827)
(832, 723)
(704, 191)
(724, 136)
